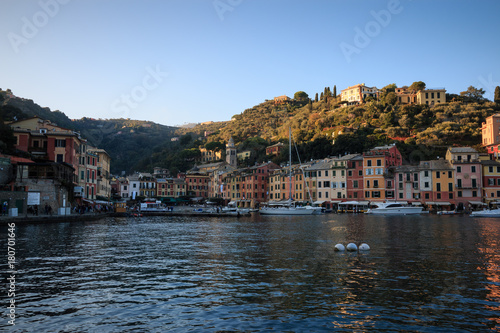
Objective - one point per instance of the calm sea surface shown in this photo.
(171, 274)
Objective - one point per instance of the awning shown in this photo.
(318, 202)
(102, 202)
(477, 203)
(335, 201)
(432, 203)
(416, 203)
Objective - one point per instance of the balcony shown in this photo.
(466, 187)
(472, 160)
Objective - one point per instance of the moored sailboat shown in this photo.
(289, 207)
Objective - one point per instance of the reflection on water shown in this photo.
(423, 273)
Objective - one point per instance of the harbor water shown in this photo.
(423, 273)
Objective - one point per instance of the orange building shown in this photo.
(378, 182)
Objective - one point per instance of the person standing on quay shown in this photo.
(4, 208)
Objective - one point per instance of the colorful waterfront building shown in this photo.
(407, 184)
(319, 174)
(438, 176)
(355, 180)
(103, 176)
(491, 181)
(147, 185)
(197, 184)
(468, 176)
(254, 184)
(378, 180)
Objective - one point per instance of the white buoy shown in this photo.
(364, 247)
(351, 247)
(339, 247)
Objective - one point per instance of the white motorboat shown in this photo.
(288, 210)
(393, 208)
(150, 206)
(486, 213)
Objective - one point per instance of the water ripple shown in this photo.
(256, 274)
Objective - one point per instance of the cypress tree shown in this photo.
(334, 91)
(316, 98)
(497, 95)
(321, 96)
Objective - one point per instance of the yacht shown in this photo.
(289, 209)
(395, 208)
(486, 213)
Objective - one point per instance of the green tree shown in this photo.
(316, 97)
(497, 95)
(215, 146)
(7, 138)
(391, 98)
(472, 94)
(417, 85)
(185, 139)
(334, 91)
(300, 96)
(385, 90)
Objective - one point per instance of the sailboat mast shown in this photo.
(290, 162)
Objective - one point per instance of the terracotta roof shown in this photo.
(16, 159)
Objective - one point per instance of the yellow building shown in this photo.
(103, 188)
(210, 155)
(428, 96)
(431, 96)
(443, 180)
(244, 155)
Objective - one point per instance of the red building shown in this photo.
(197, 183)
(275, 149)
(354, 185)
(255, 182)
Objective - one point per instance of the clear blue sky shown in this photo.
(180, 61)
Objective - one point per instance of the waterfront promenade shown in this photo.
(75, 217)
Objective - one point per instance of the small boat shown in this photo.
(232, 209)
(393, 208)
(486, 213)
(447, 212)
